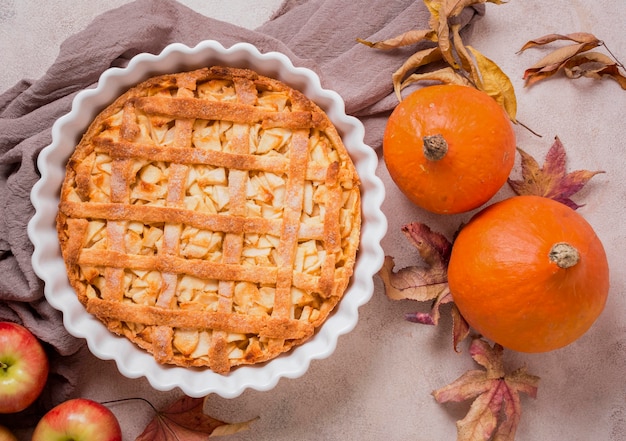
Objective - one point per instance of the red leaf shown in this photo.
(425, 283)
(421, 283)
(184, 419)
(496, 409)
(552, 180)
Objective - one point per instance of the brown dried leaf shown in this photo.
(578, 37)
(443, 39)
(495, 83)
(404, 39)
(410, 283)
(466, 60)
(533, 76)
(419, 283)
(418, 59)
(496, 409)
(446, 75)
(184, 419)
(594, 65)
(551, 180)
(562, 54)
(460, 328)
(555, 61)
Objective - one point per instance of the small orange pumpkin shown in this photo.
(449, 148)
(529, 273)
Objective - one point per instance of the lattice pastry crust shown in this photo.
(211, 217)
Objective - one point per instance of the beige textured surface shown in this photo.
(377, 384)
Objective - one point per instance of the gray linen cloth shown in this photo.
(318, 34)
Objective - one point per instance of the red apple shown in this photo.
(78, 419)
(23, 367)
(6, 434)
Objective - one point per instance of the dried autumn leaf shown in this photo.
(418, 59)
(556, 60)
(443, 15)
(594, 65)
(496, 410)
(564, 53)
(419, 283)
(443, 38)
(445, 27)
(404, 39)
(551, 180)
(495, 83)
(466, 61)
(460, 328)
(446, 75)
(578, 37)
(425, 283)
(184, 419)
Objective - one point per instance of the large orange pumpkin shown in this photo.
(529, 273)
(449, 148)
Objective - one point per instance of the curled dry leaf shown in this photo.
(573, 59)
(577, 37)
(184, 419)
(420, 283)
(418, 59)
(425, 283)
(496, 410)
(594, 65)
(406, 39)
(446, 75)
(444, 44)
(554, 62)
(551, 180)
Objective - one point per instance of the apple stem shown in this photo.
(3, 365)
(121, 400)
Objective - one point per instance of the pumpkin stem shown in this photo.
(564, 255)
(435, 147)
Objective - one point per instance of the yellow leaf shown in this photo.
(495, 83)
(434, 7)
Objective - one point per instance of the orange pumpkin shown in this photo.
(449, 148)
(529, 273)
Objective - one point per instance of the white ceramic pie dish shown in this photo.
(131, 361)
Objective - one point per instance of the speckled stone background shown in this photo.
(377, 384)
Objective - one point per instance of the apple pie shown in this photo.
(211, 217)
